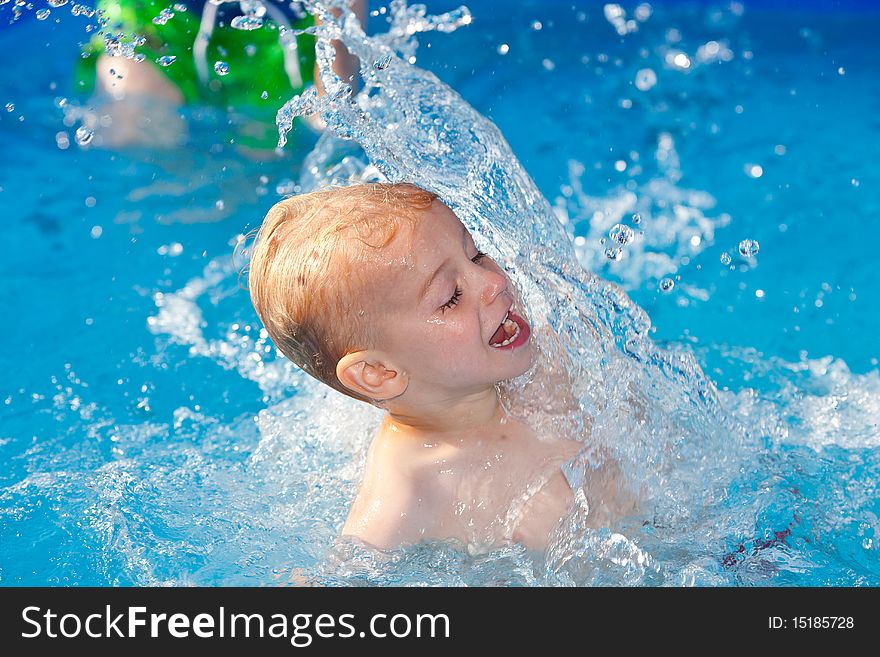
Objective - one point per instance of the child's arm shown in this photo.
(388, 511)
(345, 65)
(386, 522)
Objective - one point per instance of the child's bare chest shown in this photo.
(513, 490)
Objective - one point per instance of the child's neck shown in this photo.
(451, 418)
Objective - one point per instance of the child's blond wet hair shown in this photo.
(308, 266)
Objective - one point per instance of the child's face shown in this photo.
(439, 304)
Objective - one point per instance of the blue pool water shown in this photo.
(135, 367)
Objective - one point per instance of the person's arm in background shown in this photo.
(346, 65)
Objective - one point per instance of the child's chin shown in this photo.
(525, 360)
(528, 354)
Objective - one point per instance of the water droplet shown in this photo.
(167, 60)
(643, 12)
(754, 170)
(725, 258)
(253, 8)
(264, 95)
(645, 79)
(841, 71)
(666, 284)
(56, 3)
(285, 187)
(382, 63)
(637, 218)
(84, 135)
(614, 253)
(82, 10)
(10, 107)
(221, 68)
(503, 49)
(621, 234)
(749, 248)
(62, 140)
(43, 14)
(247, 23)
(164, 16)
(179, 6)
(219, 204)
(680, 61)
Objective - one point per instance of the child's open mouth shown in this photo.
(513, 332)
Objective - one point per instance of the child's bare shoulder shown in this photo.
(390, 509)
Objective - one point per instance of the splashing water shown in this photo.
(749, 248)
(679, 224)
(246, 23)
(651, 407)
(731, 472)
(84, 135)
(621, 234)
(164, 16)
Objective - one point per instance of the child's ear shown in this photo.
(370, 373)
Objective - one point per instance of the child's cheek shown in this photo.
(444, 327)
(447, 336)
(456, 330)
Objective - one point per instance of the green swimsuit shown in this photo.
(258, 82)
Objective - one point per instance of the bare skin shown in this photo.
(144, 106)
(487, 486)
(448, 460)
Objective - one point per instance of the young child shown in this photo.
(380, 292)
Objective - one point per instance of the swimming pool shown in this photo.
(136, 368)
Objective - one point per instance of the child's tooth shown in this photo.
(511, 338)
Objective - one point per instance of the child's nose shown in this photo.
(494, 283)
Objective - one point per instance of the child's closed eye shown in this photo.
(457, 294)
(452, 301)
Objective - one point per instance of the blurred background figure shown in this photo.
(242, 58)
